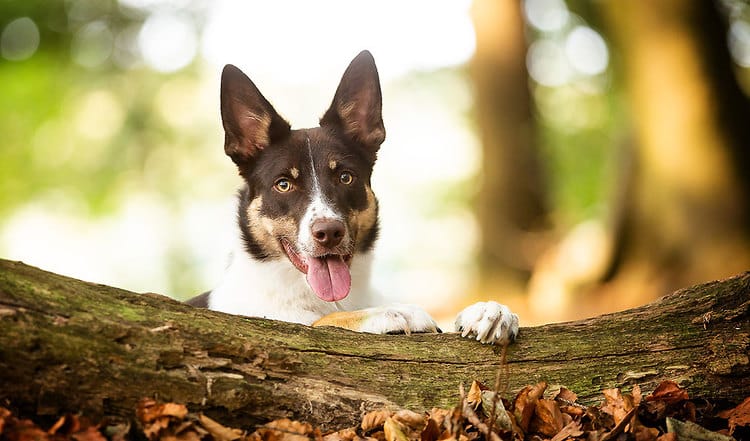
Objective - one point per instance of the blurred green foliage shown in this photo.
(87, 118)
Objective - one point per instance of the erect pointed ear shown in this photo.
(250, 122)
(356, 107)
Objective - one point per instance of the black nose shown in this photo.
(328, 232)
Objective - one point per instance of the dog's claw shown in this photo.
(488, 322)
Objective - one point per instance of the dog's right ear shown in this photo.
(250, 122)
(356, 106)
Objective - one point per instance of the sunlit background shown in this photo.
(112, 167)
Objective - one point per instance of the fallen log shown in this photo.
(73, 346)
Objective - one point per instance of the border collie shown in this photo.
(308, 218)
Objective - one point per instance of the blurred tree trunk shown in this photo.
(684, 216)
(511, 203)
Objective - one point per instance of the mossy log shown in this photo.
(73, 346)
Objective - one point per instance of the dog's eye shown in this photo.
(346, 178)
(282, 185)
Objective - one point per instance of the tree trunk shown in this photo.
(511, 204)
(72, 346)
(686, 212)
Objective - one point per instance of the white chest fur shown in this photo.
(277, 290)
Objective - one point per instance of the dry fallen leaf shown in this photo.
(503, 420)
(149, 410)
(474, 397)
(218, 431)
(4, 414)
(374, 420)
(410, 419)
(568, 403)
(342, 435)
(153, 429)
(668, 392)
(162, 421)
(91, 433)
(616, 404)
(572, 430)
(117, 430)
(525, 403)
(566, 396)
(431, 430)
(547, 418)
(620, 416)
(285, 429)
(739, 416)
(394, 431)
(440, 415)
(58, 425)
(24, 430)
(619, 427)
(642, 433)
(691, 431)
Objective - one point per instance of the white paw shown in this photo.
(488, 322)
(398, 319)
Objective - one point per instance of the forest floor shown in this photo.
(537, 413)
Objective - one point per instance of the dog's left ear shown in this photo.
(250, 121)
(356, 107)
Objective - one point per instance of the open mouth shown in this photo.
(328, 275)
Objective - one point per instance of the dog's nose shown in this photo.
(328, 232)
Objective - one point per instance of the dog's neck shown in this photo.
(275, 289)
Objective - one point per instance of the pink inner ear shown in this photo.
(254, 128)
(250, 122)
(361, 120)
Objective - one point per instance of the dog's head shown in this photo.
(307, 196)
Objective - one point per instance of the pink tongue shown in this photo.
(329, 277)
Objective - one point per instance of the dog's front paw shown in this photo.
(488, 322)
(398, 319)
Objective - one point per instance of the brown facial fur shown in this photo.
(363, 221)
(268, 230)
(266, 215)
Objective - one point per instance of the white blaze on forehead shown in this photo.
(319, 207)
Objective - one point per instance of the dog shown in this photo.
(308, 218)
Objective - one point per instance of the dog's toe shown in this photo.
(488, 322)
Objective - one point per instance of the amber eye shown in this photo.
(346, 178)
(282, 185)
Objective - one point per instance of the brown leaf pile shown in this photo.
(534, 414)
(68, 427)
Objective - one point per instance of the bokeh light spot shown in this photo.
(20, 39)
(99, 115)
(547, 63)
(92, 44)
(546, 15)
(739, 42)
(168, 41)
(586, 51)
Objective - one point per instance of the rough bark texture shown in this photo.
(67, 345)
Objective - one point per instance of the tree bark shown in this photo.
(73, 346)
